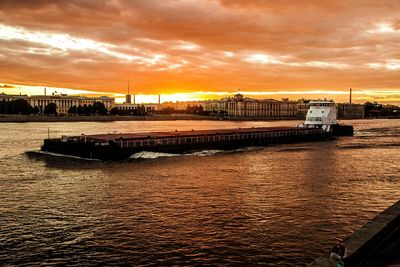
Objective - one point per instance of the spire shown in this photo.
(128, 98)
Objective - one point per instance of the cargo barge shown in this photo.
(320, 124)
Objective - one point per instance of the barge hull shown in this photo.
(122, 146)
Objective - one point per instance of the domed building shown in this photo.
(239, 105)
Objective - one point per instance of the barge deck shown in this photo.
(120, 146)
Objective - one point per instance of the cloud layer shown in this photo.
(204, 45)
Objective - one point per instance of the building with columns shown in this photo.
(239, 106)
(65, 102)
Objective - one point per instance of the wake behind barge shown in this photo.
(117, 146)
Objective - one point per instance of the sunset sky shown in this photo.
(197, 49)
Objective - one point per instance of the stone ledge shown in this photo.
(364, 243)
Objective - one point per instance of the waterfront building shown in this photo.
(149, 108)
(5, 97)
(344, 110)
(131, 107)
(65, 102)
(239, 106)
(107, 101)
(62, 101)
(303, 105)
(180, 105)
(351, 111)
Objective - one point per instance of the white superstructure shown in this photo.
(322, 114)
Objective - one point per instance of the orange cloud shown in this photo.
(196, 46)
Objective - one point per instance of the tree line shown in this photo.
(190, 109)
(22, 107)
(18, 107)
(374, 109)
(97, 108)
(140, 110)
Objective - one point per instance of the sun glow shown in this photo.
(361, 96)
(284, 60)
(383, 28)
(263, 59)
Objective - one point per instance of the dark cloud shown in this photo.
(6, 86)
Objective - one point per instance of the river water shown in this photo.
(277, 205)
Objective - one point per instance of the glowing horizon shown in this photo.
(359, 96)
(279, 49)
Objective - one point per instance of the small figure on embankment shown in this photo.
(337, 255)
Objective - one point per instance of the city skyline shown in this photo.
(359, 97)
(187, 50)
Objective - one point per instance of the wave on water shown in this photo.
(293, 149)
(201, 153)
(156, 155)
(370, 145)
(151, 155)
(224, 152)
(204, 153)
(378, 132)
(247, 149)
(46, 153)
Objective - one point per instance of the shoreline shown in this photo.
(34, 118)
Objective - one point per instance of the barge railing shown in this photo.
(178, 140)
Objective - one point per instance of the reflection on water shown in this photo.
(282, 204)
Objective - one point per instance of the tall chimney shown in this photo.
(350, 94)
(159, 99)
(45, 91)
(134, 99)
